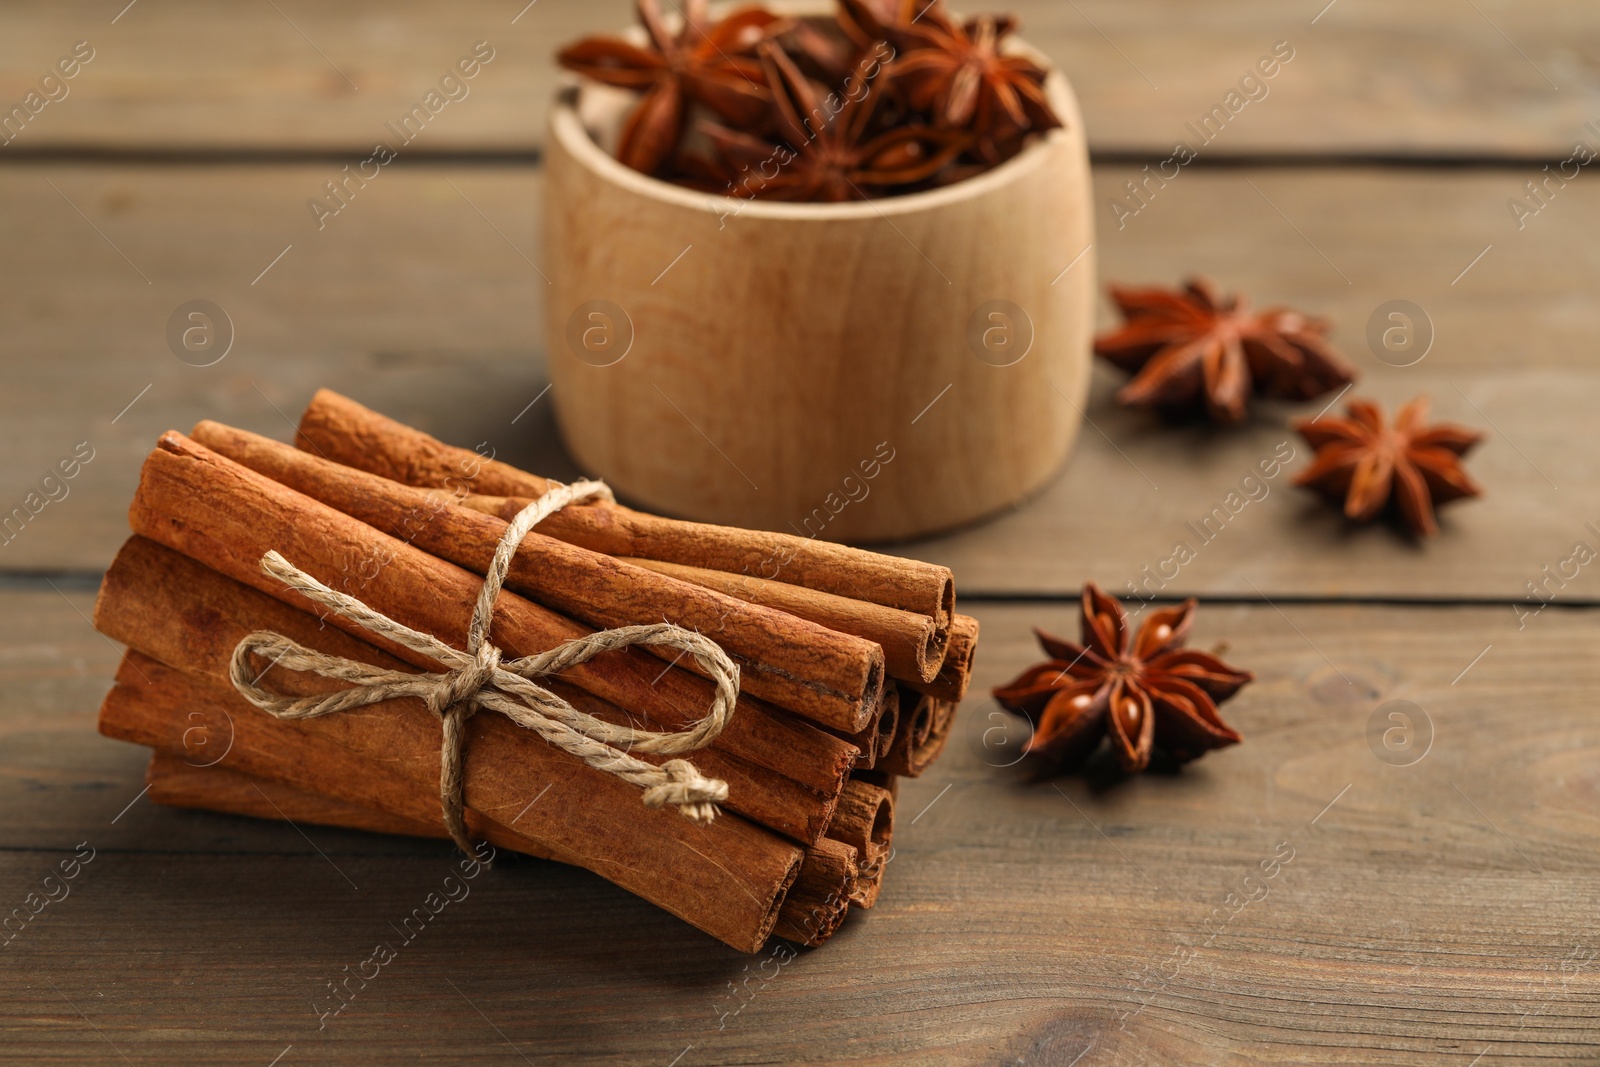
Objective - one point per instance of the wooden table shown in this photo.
(1441, 911)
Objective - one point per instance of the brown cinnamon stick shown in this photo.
(820, 898)
(956, 670)
(818, 673)
(922, 736)
(225, 516)
(580, 816)
(913, 644)
(176, 610)
(341, 430)
(178, 783)
(337, 428)
(865, 821)
(888, 722)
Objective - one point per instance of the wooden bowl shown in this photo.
(869, 371)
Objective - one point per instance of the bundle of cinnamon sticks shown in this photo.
(850, 666)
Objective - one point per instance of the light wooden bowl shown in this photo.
(870, 371)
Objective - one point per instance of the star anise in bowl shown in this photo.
(822, 158)
(1366, 467)
(1143, 691)
(708, 63)
(887, 97)
(1194, 350)
(957, 73)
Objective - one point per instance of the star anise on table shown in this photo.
(705, 62)
(1363, 465)
(1194, 349)
(826, 156)
(1143, 692)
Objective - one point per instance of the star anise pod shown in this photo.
(1143, 692)
(827, 154)
(1193, 349)
(868, 21)
(703, 62)
(957, 73)
(1362, 465)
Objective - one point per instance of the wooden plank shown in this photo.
(416, 303)
(1428, 912)
(1425, 78)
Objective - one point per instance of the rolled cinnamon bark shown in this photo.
(820, 897)
(177, 783)
(877, 739)
(924, 731)
(865, 821)
(869, 880)
(341, 430)
(818, 673)
(176, 610)
(916, 727)
(227, 517)
(337, 428)
(888, 722)
(727, 878)
(956, 670)
(913, 644)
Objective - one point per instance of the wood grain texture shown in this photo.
(1429, 77)
(413, 303)
(1428, 913)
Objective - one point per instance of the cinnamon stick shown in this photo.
(876, 740)
(339, 429)
(956, 670)
(177, 783)
(225, 516)
(343, 431)
(913, 645)
(869, 880)
(922, 736)
(579, 815)
(818, 673)
(176, 610)
(865, 821)
(820, 897)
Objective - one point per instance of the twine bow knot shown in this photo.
(478, 678)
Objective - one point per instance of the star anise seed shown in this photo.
(1193, 349)
(1143, 693)
(1362, 465)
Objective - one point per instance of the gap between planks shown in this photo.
(112, 155)
(88, 581)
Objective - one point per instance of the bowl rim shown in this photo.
(568, 129)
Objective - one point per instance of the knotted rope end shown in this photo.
(695, 796)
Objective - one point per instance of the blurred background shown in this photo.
(179, 163)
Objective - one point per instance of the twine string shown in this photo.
(479, 678)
